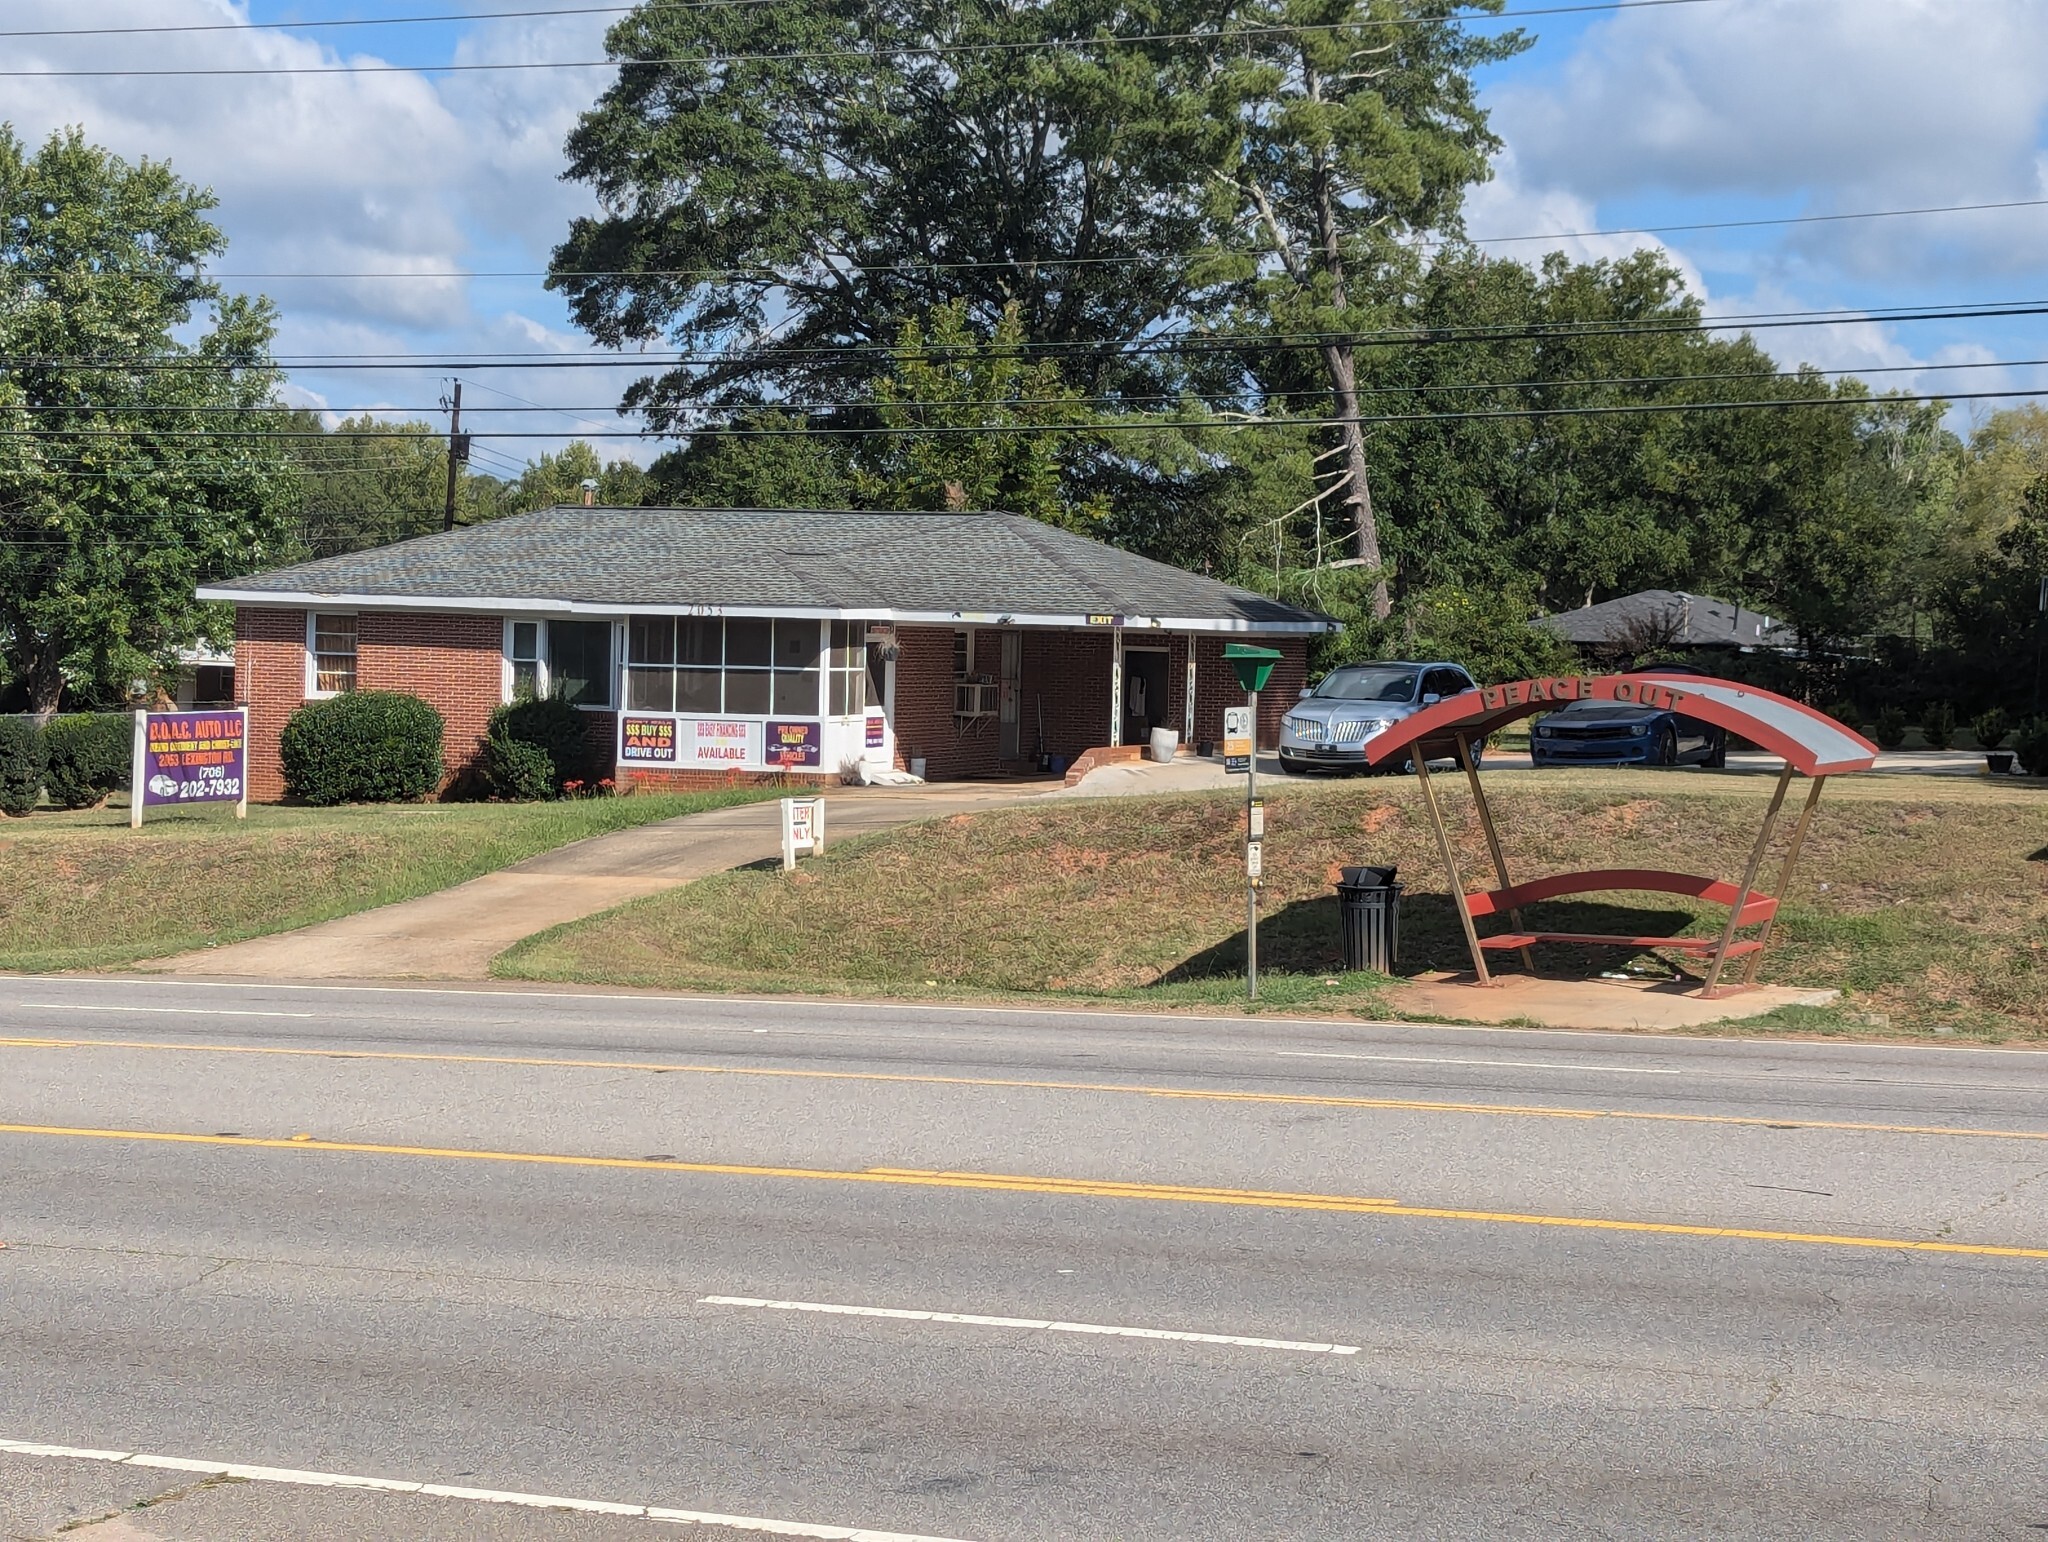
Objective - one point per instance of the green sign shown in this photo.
(1253, 665)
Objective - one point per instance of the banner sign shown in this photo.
(876, 723)
(1237, 739)
(722, 743)
(190, 757)
(647, 740)
(794, 746)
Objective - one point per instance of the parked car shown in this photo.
(1614, 733)
(1331, 726)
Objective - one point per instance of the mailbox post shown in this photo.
(1253, 666)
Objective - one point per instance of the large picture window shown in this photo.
(570, 659)
(744, 667)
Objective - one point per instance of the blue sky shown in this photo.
(1716, 110)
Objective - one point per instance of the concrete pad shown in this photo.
(1650, 1005)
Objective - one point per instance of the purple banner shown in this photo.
(194, 757)
(792, 745)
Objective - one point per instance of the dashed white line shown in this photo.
(1519, 1065)
(249, 1473)
(1043, 1325)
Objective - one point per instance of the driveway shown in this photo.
(455, 933)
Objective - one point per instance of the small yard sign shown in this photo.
(190, 757)
(1237, 739)
(803, 829)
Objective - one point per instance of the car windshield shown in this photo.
(1371, 683)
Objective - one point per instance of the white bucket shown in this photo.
(1164, 742)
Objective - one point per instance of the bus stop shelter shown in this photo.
(1811, 744)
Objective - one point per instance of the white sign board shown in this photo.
(1255, 821)
(1254, 861)
(803, 829)
(1237, 738)
(723, 743)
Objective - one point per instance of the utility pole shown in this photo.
(458, 456)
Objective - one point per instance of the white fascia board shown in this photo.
(297, 600)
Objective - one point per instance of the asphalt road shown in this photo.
(1393, 1281)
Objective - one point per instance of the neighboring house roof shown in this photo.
(1696, 621)
(951, 567)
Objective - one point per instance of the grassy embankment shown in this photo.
(83, 891)
(1925, 899)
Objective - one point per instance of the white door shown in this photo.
(1010, 697)
(879, 726)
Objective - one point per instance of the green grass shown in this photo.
(83, 891)
(1925, 900)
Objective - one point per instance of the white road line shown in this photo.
(1520, 1065)
(1045, 1325)
(78, 1006)
(253, 1474)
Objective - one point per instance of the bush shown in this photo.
(363, 747)
(1890, 728)
(2030, 745)
(89, 755)
(1991, 728)
(21, 766)
(533, 747)
(1938, 725)
(1845, 713)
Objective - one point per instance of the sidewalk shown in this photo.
(455, 933)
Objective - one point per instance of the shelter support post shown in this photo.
(1763, 938)
(1457, 881)
(1116, 687)
(1756, 862)
(1500, 861)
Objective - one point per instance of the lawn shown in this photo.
(1925, 899)
(83, 891)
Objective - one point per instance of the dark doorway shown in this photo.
(1145, 687)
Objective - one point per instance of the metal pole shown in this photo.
(1756, 959)
(1756, 862)
(1443, 844)
(1251, 886)
(135, 764)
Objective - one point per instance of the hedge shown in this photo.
(363, 747)
(89, 755)
(534, 746)
(21, 766)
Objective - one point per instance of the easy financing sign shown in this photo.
(689, 743)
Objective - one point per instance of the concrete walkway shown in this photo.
(455, 933)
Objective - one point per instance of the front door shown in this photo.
(881, 708)
(1010, 698)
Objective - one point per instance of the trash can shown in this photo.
(1369, 905)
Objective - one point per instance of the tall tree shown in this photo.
(134, 464)
(364, 482)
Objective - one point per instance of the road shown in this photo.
(1365, 1280)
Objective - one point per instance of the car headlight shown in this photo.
(1543, 731)
(1291, 723)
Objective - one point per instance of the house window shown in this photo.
(331, 654)
(213, 685)
(849, 667)
(744, 667)
(963, 655)
(569, 659)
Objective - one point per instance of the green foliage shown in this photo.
(1488, 632)
(122, 490)
(21, 766)
(2030, 746)
(559, 478)
(762, 459)
(1847, 714)
(367, 482)
(1991, 728)
(1890, 728)
(1938, 726)
(363, 747)
(533, 747)
(90, 755)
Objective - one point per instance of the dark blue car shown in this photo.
(1613, 733)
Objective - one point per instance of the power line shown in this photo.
(388, 21)
(920, 51)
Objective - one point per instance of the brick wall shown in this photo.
(1216, 687)
(1066, 673)
(270, 678)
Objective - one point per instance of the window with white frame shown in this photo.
(848, 687)
(330, 654)
(742, 667)
(569, 659)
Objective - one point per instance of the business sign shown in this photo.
(723, 743)
(1103, 618)
(647, 741)
(794, 746)
(1237, 739)
(876, 723)
(190, 757)
(803, 828)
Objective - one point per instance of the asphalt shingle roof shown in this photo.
(908, 564)
(1694, 621)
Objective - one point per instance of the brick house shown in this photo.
(713, 646)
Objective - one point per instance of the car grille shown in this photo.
(1345, 733)
(1587, 733)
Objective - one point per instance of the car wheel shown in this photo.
(1666, 751)
(1717, 757)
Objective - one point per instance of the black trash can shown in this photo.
(1369, 905)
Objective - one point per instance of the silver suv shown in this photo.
(1330, 727)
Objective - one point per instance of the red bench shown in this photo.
(1756, 910)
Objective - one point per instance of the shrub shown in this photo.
(1890, 728)
(1938, 725)
(2030, 745)
(363, 747)
(1845, 713)
(89, 755)
(1991, 728)
(21, 766)
(546, 725)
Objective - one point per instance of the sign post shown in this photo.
(189, 757)
(1253, 667)
(803, 829)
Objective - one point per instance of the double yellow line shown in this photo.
(1077, 1188)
